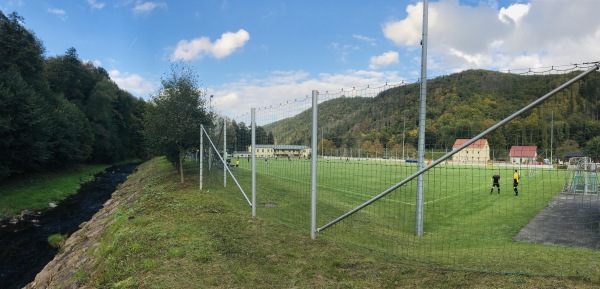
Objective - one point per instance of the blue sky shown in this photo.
(261, 52)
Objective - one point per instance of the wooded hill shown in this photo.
(59, 111)
(459, 105)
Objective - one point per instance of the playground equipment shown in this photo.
(581, 177)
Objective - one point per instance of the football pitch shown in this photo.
(465, 226)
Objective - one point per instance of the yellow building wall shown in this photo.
(472, 155)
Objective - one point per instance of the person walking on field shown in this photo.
(495, 182)
(516, 182)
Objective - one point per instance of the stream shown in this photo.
(24, 247)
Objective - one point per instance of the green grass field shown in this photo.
(36, 191)
(465, 227)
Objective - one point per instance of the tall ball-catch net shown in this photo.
(581, 176)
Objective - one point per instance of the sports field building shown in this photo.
(523, 154)
(477, 152)
(281, 151)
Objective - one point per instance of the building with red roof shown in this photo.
(477, 152)
(523, 154)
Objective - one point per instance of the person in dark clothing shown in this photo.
(516, 182)
(495, 182)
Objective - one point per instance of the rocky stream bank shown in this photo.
(24, 247)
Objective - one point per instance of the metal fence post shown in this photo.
(422, 116)
(201, 154)
(253, 149)
(224, 153)
(313, 164)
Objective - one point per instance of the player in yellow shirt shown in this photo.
(516, 182)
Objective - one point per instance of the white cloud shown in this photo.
(94, 4)
(229, 42)
(193, 49)
(96, 63)
(513, 13)
(58, 12)
(147, 7)
(133, 83)
(199, 47)
(364, 38)
(237, 98)
(406, 32)
(388, 58)
(539, 33)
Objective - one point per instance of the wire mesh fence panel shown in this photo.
(476, 215)
(282, 162)
(221, 162)
(239, 140)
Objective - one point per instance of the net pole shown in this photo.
(225, 153)
(253, 152)
(313, 165)
(551, 137)
(201, 155)
(210, 153)
(422, 113)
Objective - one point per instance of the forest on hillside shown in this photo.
(58, 111)
(460, 105)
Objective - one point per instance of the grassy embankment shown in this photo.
(36, 191)
(175, 236)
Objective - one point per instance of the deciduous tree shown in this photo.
(173, 119)
(592, 148)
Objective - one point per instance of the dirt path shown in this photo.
(567, 221)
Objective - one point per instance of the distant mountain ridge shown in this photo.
(459, 105)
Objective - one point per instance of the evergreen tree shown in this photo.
(24, 126)
(19, 48)
(72, 139)
(68, 76)
(100, 113)
(244, 136)
(59, 111)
